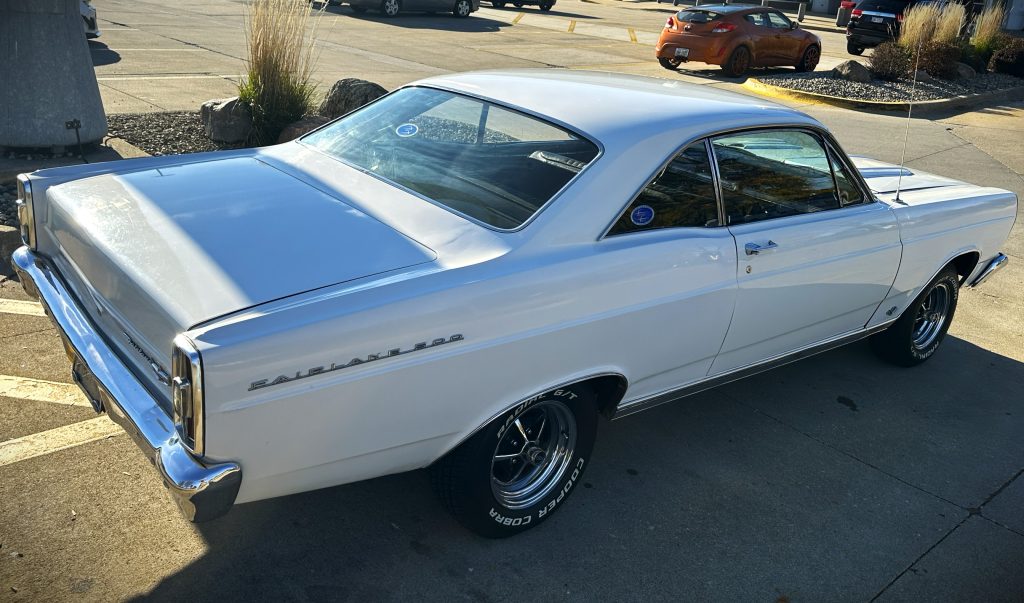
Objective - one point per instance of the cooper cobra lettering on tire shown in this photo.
(517, 470)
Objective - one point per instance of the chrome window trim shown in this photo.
(543, 118)
(185, 350)
(629, 407)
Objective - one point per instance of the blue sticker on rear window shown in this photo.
(642, 215)
(407, 130)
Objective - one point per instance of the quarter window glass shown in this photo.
(849, 193)
(778, 21)
(772, 175)
(682, 195)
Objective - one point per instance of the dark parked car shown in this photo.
(545, 5)
(874, 22)
(391, 8)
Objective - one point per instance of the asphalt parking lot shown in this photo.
(838, 478)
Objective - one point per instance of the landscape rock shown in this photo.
(853, 71)
(965, 71)
(298, 128)
(347, 95)
(226, 119)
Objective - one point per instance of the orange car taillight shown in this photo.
(670, 23)
(721, 27)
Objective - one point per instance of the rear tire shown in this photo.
(519, 469)
(390, 8)
(546, 6)
(917, 333)
(670, 64)
(854, 49)
(462, 8)
(810, 59)
(738, 63)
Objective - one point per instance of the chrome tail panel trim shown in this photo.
(994, 266)
(202, 491)
(634, 406)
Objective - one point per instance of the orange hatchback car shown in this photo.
(736, 37)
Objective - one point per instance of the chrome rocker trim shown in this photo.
(202, 491)
(994, 266)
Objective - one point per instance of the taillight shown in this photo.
(187, 393)
(25, 211)
(670, 23)
(899, 18)
(847, 4)
(722, 27)
(857, 12)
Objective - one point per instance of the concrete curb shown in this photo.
(768, 90)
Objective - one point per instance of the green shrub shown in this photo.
(939, 59)
(278, 83)
(890, 61)
(1009, 59)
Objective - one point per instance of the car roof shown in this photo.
(724, 8)
(620, 110)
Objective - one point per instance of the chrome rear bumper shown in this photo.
(997, 262)
(202, 491)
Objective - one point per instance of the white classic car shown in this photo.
(468, 272)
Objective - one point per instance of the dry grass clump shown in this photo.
(951, 21)
(278, 85)
(918, 27)
(988, 30)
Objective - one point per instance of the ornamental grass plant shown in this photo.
(931, 35)
(278, 86)
(988, 36)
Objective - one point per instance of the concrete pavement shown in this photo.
(835, 479)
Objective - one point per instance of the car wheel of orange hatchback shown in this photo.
(810, 59)
(670, 64)
(738, 63)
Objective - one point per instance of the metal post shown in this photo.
(801, 11)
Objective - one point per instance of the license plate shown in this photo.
(682, 53)
(876, 19)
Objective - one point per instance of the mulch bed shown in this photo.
(824, 82)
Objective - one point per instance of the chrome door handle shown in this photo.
(754, 248)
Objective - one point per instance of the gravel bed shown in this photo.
(164, 133)
(824, 82)
(8, 211)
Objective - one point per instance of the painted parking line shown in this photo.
(14, 306)
(54, 440)
(38, 390)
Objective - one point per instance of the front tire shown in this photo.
(810, 59)
(917, 333)
(390, 8)
(462, 8)
(519, 469)
(546, 6)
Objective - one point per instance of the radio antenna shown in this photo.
(910, 109)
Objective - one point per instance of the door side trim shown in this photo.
(629, 407)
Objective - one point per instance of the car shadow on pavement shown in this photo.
(102, 54)
(553, 12)
(821, 480)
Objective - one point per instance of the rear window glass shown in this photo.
(883, 6)
(697, 16)
(482, 160)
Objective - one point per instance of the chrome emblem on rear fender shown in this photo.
(161, 375)
(337, 366)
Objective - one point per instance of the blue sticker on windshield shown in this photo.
(407, 130)
(642, 215)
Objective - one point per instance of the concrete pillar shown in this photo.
(46, 76)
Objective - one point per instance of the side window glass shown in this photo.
(757, 19)
(778, 21)
(682, 195)
(849, 193)
(773, 174)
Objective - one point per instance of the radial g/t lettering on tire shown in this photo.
(519, 469)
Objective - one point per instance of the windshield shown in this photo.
(479, 159)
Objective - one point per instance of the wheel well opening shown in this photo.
(965, 264)
(609, 390)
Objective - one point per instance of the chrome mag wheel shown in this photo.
(390, 7)
(931, 316)
(533, 454)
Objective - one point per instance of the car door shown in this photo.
(763, 37)
(671, 254)
(816, 253)
(787, 44)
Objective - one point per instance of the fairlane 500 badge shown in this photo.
(337, 366)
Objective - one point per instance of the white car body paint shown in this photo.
(320, 263)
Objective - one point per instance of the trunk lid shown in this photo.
(154, 252)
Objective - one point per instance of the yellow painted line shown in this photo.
(54, 440)
(632, 34)
(14, 306)
(572, 25)
(38, 390)
(518, 17)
